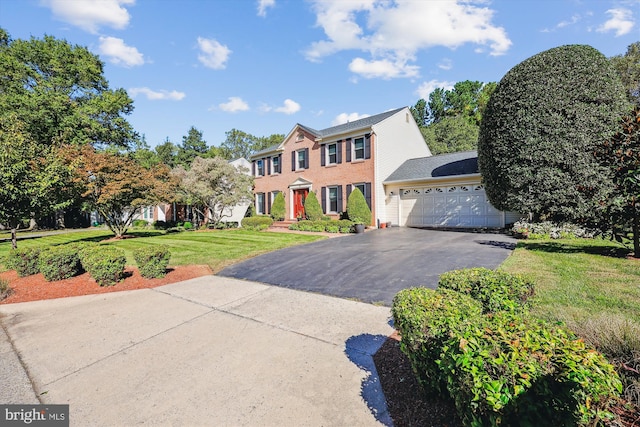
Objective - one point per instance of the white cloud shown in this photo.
(383, 68)
(234, 105)
(263, 5)
(155, 95)
(289, 107)
(621, 22)
(380, 29)
(347, 117)
(90, 15)
(119, 53)
(213, 54)
(445, 64)
(425, 89)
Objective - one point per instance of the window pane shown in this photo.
(275, 162)
(361, 188)
(358, 146)
(332, 153)
(333, 199)
(301, 159)
(260, 168)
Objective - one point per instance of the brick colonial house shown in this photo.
(333, 161)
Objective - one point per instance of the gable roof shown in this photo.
(443, 165)
(353, 126)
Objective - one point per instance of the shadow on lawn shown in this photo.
(570, 248)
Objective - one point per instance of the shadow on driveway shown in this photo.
(372, 267)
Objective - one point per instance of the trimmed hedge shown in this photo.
(104, 263)
(257, 222)
(59, 262)
(357, 208)
(501, 368)
(152, 261)
(312, 208)
(496, 290)
(425, 319)
(330, 226)
(24, 261)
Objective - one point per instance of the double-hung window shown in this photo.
(260, 167)
(332, 153)
(358, 149)
(275, 164)
(260, 204)
(302, 158)
(332, 199)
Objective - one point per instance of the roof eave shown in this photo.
(433, 179)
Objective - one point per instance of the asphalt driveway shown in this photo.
(372, 267)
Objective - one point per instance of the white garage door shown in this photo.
(448, 206)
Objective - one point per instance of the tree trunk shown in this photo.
(60, 219)
(636, 234)
(14, 239)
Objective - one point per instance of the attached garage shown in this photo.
(442, 191)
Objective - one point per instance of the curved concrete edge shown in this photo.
(16, 386)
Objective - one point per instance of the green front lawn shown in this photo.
(579, 278)
(217, 249)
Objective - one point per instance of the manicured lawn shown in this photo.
(579, 278)
(214, 248)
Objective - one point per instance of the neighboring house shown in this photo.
(442, 191)
(174, 212)
(333, 161)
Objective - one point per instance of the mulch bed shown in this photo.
(35, 287)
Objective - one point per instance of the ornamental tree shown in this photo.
(621, 155)
(216, 184)
(357, 208)
(539, 131)
(117, 187)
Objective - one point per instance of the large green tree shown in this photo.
(192, 146)
(621, 155)
(628, 67)
(54, 94)
(450, 135)
(241, 144)
(540, 129)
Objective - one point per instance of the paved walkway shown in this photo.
(208, 351)
(372, 267)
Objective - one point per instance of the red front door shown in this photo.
(299, 196)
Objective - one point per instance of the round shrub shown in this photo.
(539, 131)
(24, 261)
(496, 290)
(278, 207)
(59, 262)
(105, 263)
(357, 208)
(187, 225)
(159, 225)
(152, 261)
(140, 223)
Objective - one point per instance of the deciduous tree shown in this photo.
(621, 155)
(215, 184)
(241, 144)
(628, 68)
(117, 187)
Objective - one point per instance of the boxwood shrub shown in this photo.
(105, 263)
(425, 318)
(152, 261)
(496, 290)
(24, 261)
(59, 262)
(328, 225)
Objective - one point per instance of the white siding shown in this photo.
(398, 138)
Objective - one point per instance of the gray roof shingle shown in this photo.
(354, 125)
(452, 164)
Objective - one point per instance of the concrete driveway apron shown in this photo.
(372, 267)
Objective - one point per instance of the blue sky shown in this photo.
(263, 66)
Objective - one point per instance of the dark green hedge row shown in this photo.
(500, 367)
(104, 263)
(330, 226)
(24, 261)
(257, 222)
(59, 262)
